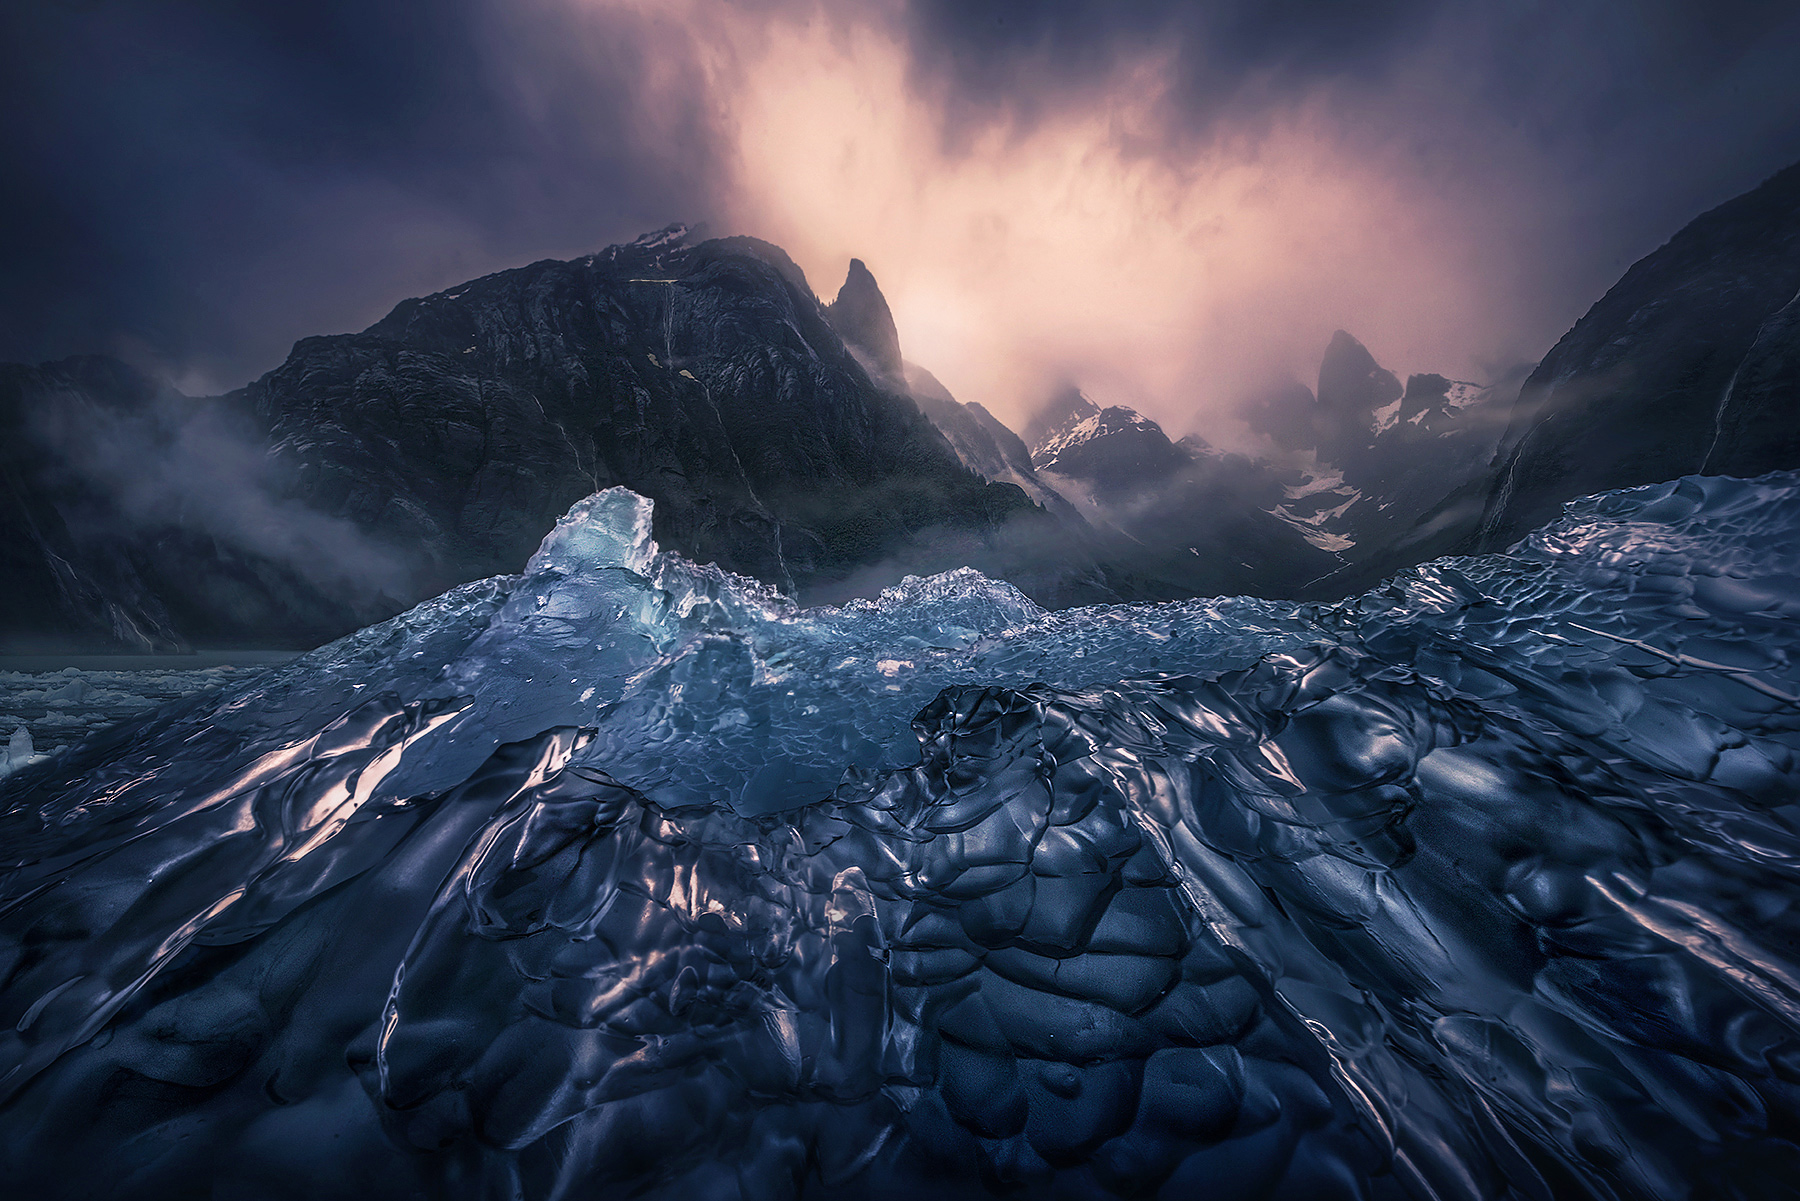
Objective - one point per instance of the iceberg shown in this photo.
(626, 876)
(18, 752)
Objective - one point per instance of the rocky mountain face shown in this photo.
(705, 376)
(439, 445)
(861, 315)
(1113, 451)
(1690, 364)
(1353, 390)
(1129, 515)
(1355, 467)
(1054, 555)
(1356, 464)
(985, 444)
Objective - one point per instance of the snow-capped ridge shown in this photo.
(1110, 420)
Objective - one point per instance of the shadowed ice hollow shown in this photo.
(628, 877)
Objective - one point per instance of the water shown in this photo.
(60, 699)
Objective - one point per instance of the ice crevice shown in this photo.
(627, 875)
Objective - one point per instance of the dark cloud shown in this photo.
(202, 183)
(199, 182)
(1529, 58)
(1653, 109)
(1602, 125)
(1665, 98)
(1002, 54)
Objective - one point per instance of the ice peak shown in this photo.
(607, 529)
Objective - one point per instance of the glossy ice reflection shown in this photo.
(625, 875)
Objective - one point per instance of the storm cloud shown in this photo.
(1172, 206)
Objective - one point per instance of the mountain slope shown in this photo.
(1182, 517)
(1368, 466)
(1690, 363)
(983, 442)
(135, 518)
(439, 444)
(1055, 555)
(861, 314)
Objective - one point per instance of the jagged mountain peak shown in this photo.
(1197, 446)
(1113, 419)
(1066, 408)
(673, 234)
(1351, 382)
(861, 316)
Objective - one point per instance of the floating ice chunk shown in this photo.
(608, 529)
(19, 752)
(72, 691)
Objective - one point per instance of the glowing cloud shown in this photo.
(1094, 241)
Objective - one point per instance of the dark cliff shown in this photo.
(1689, 364)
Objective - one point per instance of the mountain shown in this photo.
(1181, 516)
(136, 518)
(1056, 556)
(1689, 364)
(1114, 451)
(1366, 460)
(1132, 515)
(861, 314)
(792, 441)
(1354, 466)
(705, 376)
(1064, 410)
(439, 444)
(984, 443)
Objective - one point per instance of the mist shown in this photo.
(196, 464)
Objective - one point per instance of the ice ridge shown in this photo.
(626, 875)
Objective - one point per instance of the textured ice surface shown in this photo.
(624, 876)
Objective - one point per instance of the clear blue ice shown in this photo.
(626, 875)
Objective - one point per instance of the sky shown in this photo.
(1172, 205)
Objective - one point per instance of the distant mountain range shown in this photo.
(1355, 465)
(790, 439)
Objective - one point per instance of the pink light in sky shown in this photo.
(1097, 242)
